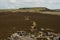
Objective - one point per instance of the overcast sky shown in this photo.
(52, 4)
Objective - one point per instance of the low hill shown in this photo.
(37, 8)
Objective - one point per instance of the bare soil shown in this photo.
(11, 22)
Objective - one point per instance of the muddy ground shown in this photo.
(12, 22)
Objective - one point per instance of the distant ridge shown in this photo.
(42, 9)
(38, 8)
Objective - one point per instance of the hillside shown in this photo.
(37, 8)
